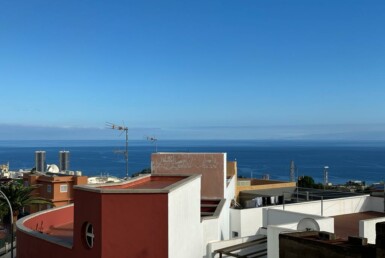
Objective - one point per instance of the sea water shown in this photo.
(364, 161)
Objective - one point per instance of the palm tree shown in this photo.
(19, 197)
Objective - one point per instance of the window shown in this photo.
(235, 234)
(49, 188)
(89, 234)
(63, 188)
(26, 183)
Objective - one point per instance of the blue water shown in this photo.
(346, 160)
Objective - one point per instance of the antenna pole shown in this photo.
(126, 152)
(125, 129)
(153, 140)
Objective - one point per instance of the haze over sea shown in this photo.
(347, 160)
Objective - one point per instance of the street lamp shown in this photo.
(11, 215)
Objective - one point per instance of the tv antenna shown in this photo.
(154, 141)
(123, 129)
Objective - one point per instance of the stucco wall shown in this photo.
(224, 218)
(27, 242)
(246, 221)
(135, 225)
(212, 167)
(367, 229)
(280, 217)
(184, 227)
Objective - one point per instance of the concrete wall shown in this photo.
(224, 218)
(212, 167)
(335, 207)
(273, 238)
(367, 229)
(210, 233)
(184, 227)
(232, 169)
(285, 221)
(246, 221)
(280, 217)
(377, 204)
(29, 237)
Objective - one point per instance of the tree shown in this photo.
(19, 196)
(306, 181)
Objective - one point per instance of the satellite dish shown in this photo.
(308, 224)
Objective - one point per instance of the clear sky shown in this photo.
(250, 69)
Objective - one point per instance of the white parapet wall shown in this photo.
(285, 221)
(246, 222)
(335, 207)
(367, 229)
(280, 217)
(273, 237)
(211, 233)
(184, 221)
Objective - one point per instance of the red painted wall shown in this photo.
(87, 209)
(32, 247)
(125, 225)
(27, 244)
(135, 225)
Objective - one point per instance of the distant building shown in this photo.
(64, 160)
(56, 187)
(251, 193)
(40, 162)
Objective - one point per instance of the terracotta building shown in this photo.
(55, 187)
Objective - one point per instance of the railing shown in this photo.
(309, 194)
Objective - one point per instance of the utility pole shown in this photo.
(124, 129)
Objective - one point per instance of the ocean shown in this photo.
(364, 161)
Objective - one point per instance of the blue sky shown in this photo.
(257, 69)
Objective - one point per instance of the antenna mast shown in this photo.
(153, 140)
(124, 129)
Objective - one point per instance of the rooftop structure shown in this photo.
(162, 213)
(53, 186)
(158, 215)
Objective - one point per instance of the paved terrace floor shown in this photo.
(348, 224)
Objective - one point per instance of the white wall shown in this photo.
(335, 207)
(273, 238)
(225, 214)
(280, 221)
(210, 233)
(246, 221)
(367, 228)
(184, 225)
(377, 204)
(279, 217)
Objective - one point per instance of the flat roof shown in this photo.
(152, 182)
(143, 184)
(348, 224)
(254, 181)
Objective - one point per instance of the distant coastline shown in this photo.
(348, 160)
